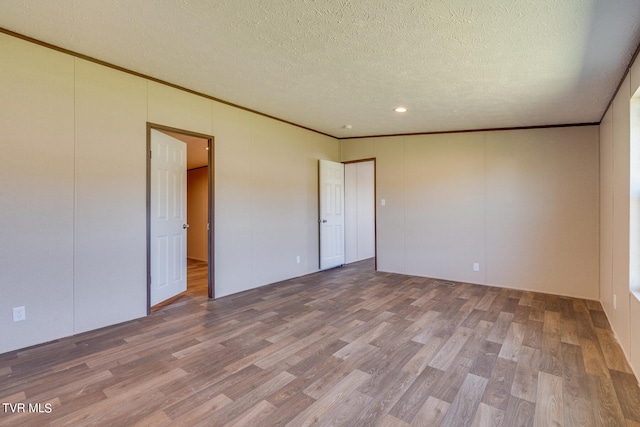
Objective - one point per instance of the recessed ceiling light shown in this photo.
(400, 110)
(347, 126)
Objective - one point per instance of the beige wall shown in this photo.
(37, 107)
(110, 191)
(444, 206)
(72, 235)
(606, 211)
(615, 222)
(197, 199)
(523, 204)
(266, 186)
(72, 183)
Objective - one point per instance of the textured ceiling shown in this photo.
(324, 64)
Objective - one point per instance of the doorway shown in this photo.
(196, 258)
(360, 212)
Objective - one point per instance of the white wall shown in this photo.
(523, 204)
(359, 224)
(634, 194)
(73, 187)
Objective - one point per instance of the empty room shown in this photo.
(326, 212)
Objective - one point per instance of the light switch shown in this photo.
(382, 202)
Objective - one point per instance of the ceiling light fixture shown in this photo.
(347, 126)
(400, 110)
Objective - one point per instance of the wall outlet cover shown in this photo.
(19, 314)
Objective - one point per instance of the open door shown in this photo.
(331, 214)
(168, 217)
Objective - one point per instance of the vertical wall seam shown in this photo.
(485, 234)
(147, 214)
(357, 199)
(147, 98)
(252, 274)
(404, 204)
(613, 197)
(599, 184)
(75, 200)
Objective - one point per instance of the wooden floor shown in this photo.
(197, 275)
(347, 347)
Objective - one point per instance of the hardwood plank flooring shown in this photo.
(345, 347)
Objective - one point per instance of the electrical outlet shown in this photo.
(476, 266)
(298, 259)
(19, 314)
(615, 302)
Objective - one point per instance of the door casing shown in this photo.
(210, 213)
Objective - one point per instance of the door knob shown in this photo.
(185, 226)
(324, 220)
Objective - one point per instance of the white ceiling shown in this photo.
(324, 64)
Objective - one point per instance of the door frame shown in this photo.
(210, 206)
(375, 206)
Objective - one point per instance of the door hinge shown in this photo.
(150, 153)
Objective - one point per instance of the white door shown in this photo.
(168, 217)
(331, 189)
